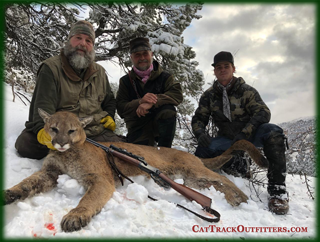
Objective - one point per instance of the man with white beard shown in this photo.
(73, 82)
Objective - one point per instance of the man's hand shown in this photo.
(149, 98)
(239, 136)
(143, 109)
(146, 102)
(108, 123)
(45, 139)
(204, 140)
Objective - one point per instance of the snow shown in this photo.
(166, 49)
(130, 214)
(164, 42)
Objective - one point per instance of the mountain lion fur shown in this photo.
(88, 164)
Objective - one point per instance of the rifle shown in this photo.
(161, 179)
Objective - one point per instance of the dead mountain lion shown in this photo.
(88, 164)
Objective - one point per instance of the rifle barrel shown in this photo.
(97, 144)
(124, 157)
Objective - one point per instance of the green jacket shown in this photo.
(170, 92)
(248, 111)
(59, 88)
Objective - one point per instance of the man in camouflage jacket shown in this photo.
(73, 82)
(238, 112)
(147, 97)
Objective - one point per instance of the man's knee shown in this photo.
(206, 152)
(273, 134)
(203, 152)
(28, 146)
(166, 111)
(141, 136)
(265, 132)
(108, 136)
(270, 129)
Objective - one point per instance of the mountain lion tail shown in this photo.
(217, 162)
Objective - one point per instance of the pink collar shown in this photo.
(144, 74)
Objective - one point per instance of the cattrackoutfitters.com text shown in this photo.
(244, 229)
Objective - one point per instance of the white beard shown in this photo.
(76, 60)
(79, 62)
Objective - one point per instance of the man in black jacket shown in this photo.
(147, 97)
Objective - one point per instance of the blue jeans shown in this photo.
(220, 144)
(268, 136)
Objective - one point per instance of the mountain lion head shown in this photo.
(64, 134)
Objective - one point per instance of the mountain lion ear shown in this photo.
(44, 115)
(85, 121)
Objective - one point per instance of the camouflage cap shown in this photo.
(82, 27)
(139, 44)
(222, 56)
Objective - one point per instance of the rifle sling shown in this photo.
(208, 210)
(120, 175)
(134, 85)
(115, 168)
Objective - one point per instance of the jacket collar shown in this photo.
(154, 74)
(71, 74)
(235, 84)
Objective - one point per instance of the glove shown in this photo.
(204, 140)
(44, 138)
(238, 137)
(108, 123)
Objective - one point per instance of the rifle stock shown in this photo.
(187, 192)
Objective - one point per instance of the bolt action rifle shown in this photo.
(161, 179)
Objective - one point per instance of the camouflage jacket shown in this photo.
(248, 110)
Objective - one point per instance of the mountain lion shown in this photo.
(89, 165)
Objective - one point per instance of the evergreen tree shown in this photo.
(163, 24)
(37, 31)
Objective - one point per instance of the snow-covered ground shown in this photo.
(130, 214)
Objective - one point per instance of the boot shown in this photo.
(279, 204)
(274, 150)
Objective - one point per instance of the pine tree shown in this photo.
(35, 32)
(163, 24)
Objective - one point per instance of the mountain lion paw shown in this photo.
(11, 196)
(75, 219)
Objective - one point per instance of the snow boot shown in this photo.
(274, 150)
(279, 204)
